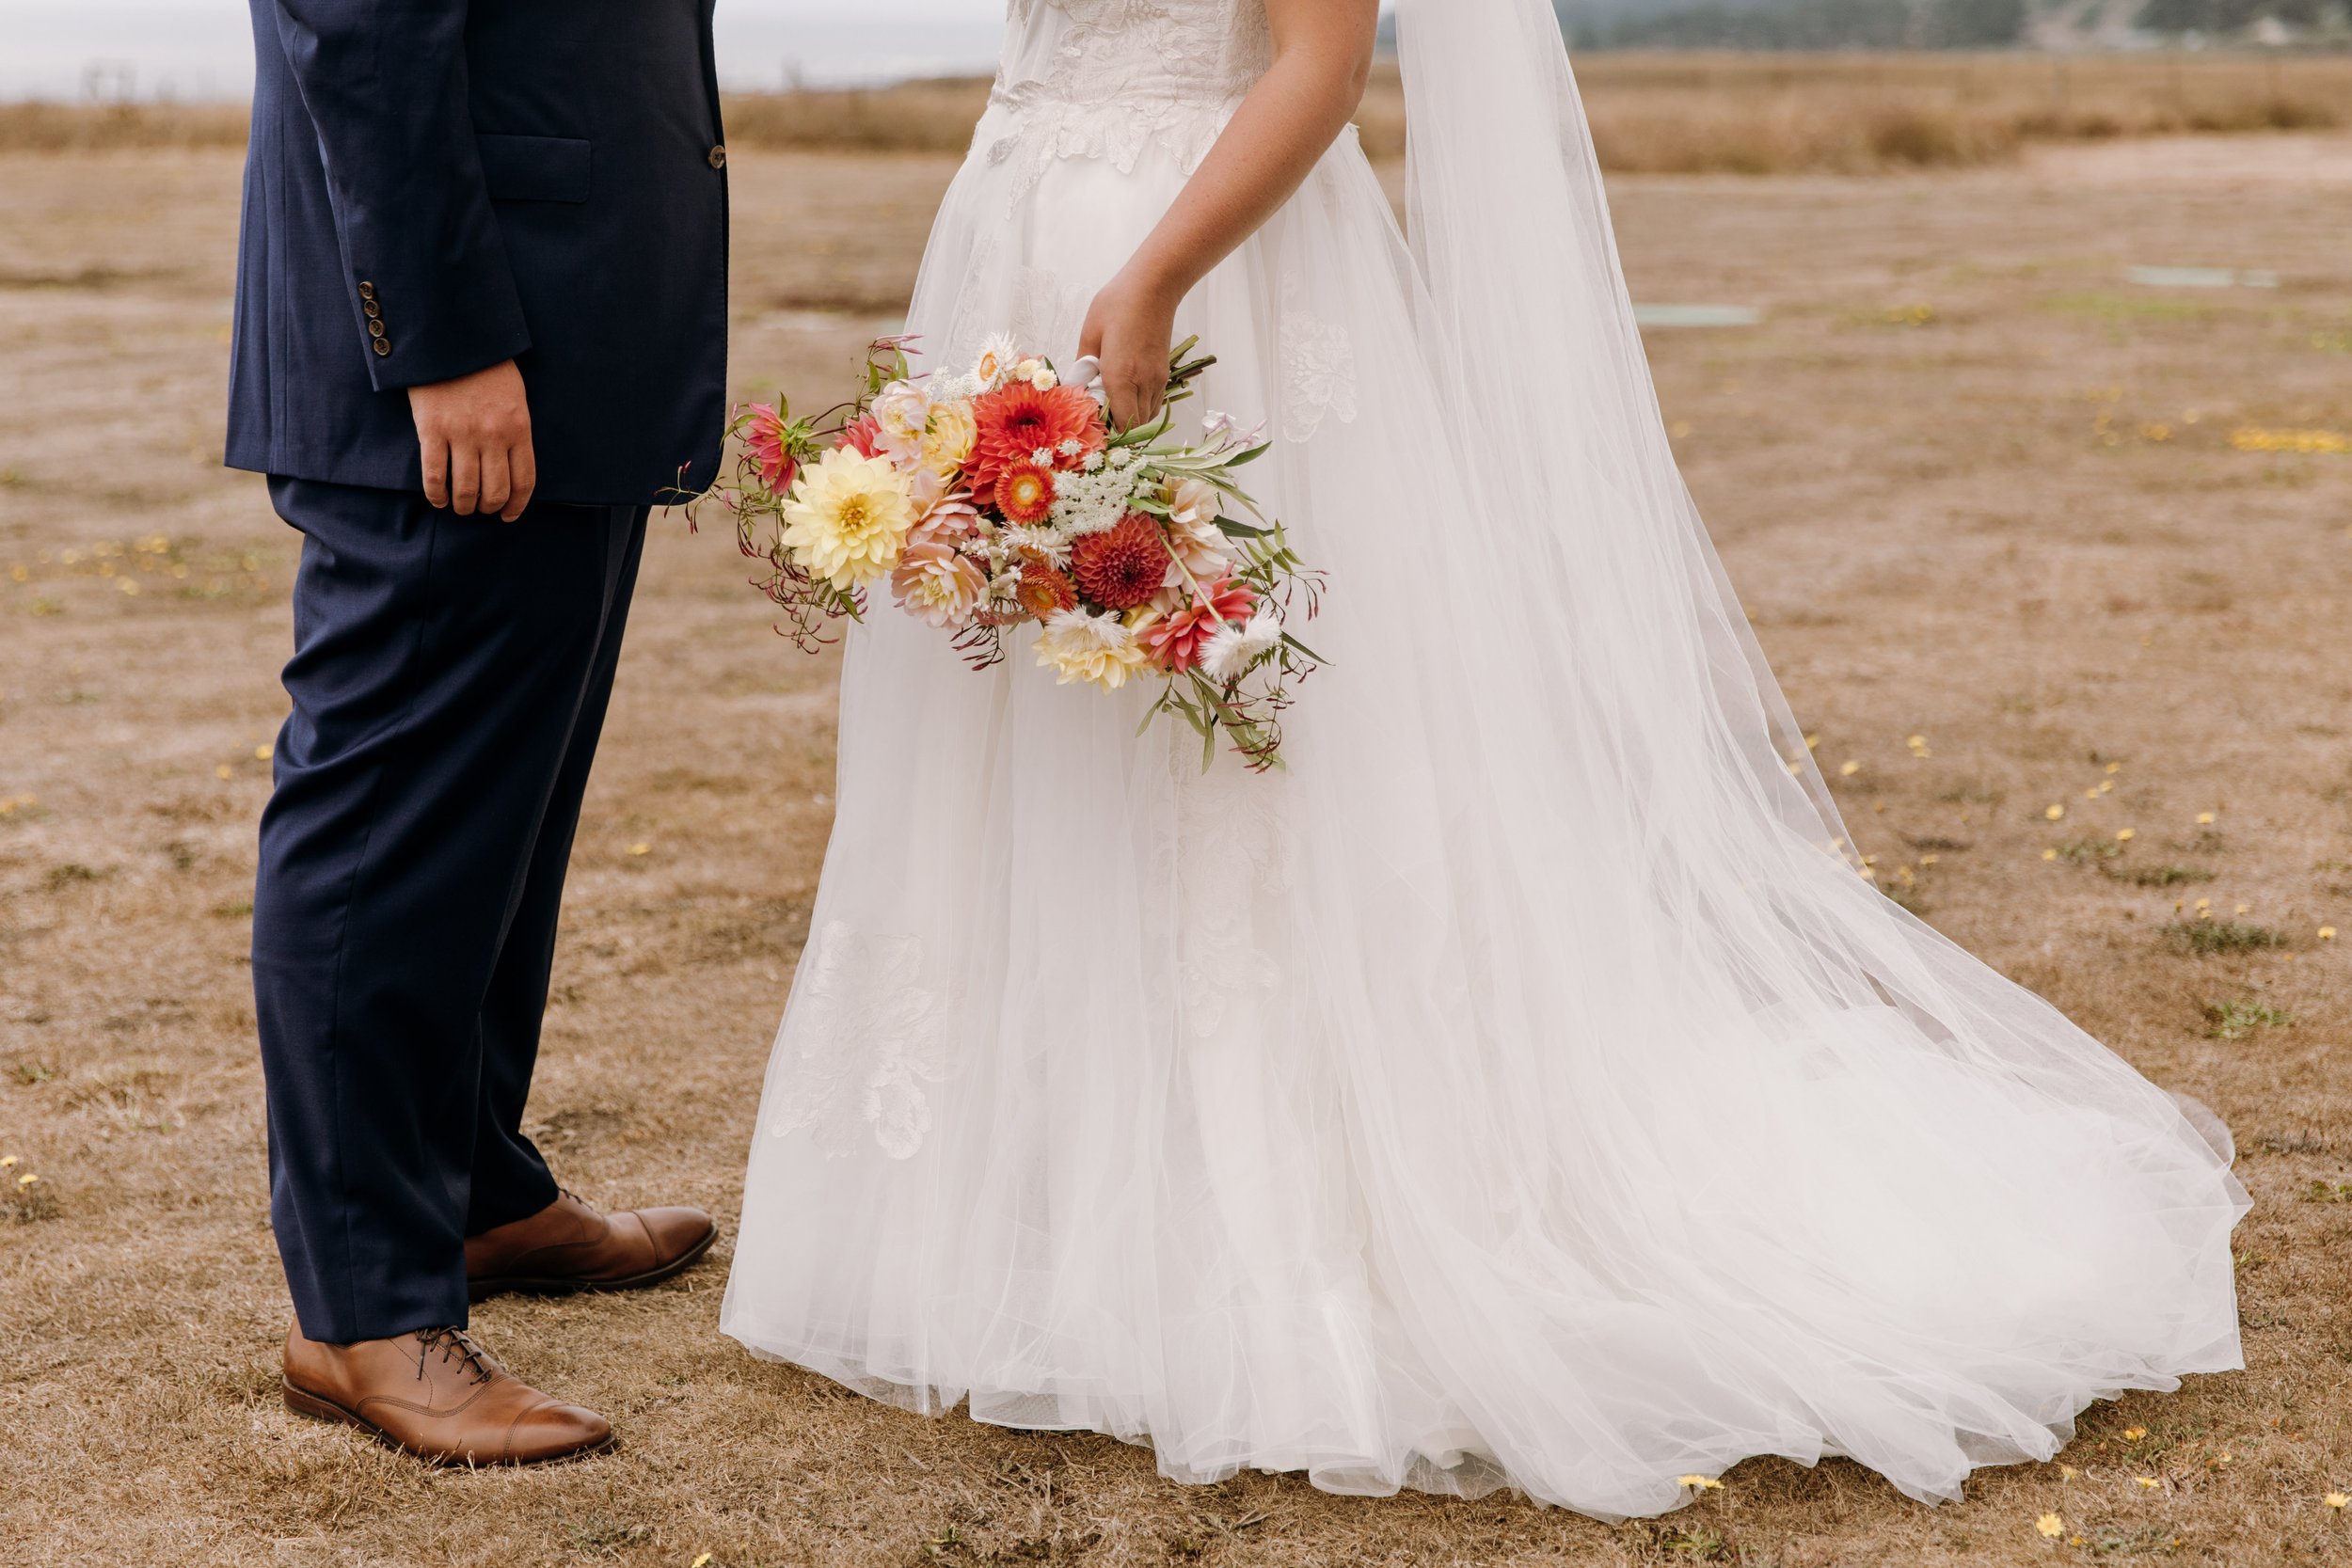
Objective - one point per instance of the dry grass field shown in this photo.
(1655, 113)
(2020, 532)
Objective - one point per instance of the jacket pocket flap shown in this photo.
(535, 168)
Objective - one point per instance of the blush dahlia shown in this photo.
(1123, 566)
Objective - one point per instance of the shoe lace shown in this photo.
(456, 1345)
(577, 1198)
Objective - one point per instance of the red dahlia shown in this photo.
(1017, 422)
(1123, 565)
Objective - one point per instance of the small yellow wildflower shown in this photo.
(2124, 835)
(6, 1160)
(2336, 1501)
(2051, 1526)
(2204, 819)
(2090, 795)
(28, 1178)
(702, 1561)
(2054, 812)
(2327, 933)
(1700, 1484)
(222, 771)
(2133, 1434)
(2243, 908)
(1847, 769)
(2049, 854)
(2115, 768)
(641, 849)
(262, 752)
(2147, 1482)
(2068, 1472)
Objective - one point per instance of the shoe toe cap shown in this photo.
(677, 1231)
(553, 1430)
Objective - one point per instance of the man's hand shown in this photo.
(474, 435)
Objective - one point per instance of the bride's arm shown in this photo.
(1322, 55)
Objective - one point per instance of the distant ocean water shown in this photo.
(68, 50)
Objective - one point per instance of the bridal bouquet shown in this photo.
(1001, 496)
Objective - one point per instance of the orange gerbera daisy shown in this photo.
(1017, 422)
(1044, 589)
(1024, 493)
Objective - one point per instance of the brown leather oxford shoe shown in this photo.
(438, 1395)
(569, 1245)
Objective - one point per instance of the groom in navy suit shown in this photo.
(481, 327)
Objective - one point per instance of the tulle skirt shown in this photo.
(1523, 1089)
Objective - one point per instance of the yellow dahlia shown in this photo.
(847, 518)
(1097, 649)
(948, 438)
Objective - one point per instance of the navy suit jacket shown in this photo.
(434, 187)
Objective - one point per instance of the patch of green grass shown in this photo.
(2088, 850)
(2234, 1021)
(2102, 306)
(2158, 876)
(2206, 937)
(2328, 1192)
(71, 872)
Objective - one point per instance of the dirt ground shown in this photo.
(1978, 487)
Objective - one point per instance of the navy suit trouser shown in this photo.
(449, 681)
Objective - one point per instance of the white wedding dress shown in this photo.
(1521, 1090)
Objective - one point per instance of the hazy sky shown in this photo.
(203, 48)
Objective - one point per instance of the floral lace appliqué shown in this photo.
(862, 1040)
(1111, 78)
(1318, 369)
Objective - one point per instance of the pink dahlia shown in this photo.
(864, 438)
(1178, 638)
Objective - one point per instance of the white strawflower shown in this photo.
(1234, 646)
(1044, 542)
(996, 357)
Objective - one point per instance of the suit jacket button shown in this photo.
(718, 157)
(383, 345)
(376, 329)
(372, 307)
(366, 290)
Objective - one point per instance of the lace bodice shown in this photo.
(1105, 78)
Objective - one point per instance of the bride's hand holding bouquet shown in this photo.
(1004, 494)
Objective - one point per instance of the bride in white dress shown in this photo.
(1523, 1090)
